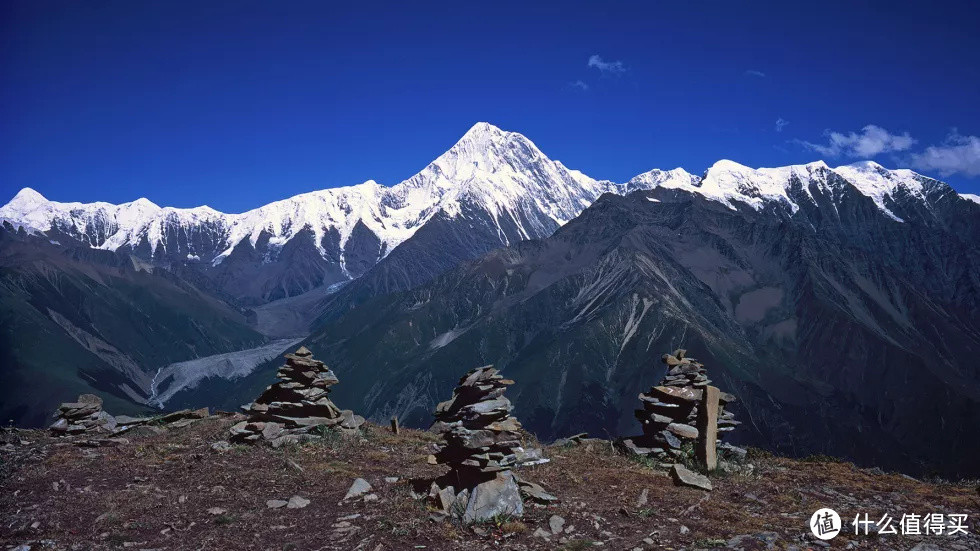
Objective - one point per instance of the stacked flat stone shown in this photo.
(481, 435)
(82, 416)
(482, 445)
(670, 410)
(293, 408)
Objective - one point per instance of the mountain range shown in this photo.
(490, 177)
(840, 304)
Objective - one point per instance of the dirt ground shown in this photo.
(173, 491)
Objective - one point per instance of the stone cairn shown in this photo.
(83, 416)
(482, 446)
(670, 413)
(290, 410)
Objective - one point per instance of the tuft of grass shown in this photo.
(224, 520)
(513, 527)
(449, 532)
(821, 458)
(500, 520)
(427, 436)
(329, 438)
(643, 461)
(107, 519)
(755, 454)
(497, 521)
(708, 543)
(116, 539)
(377, 455)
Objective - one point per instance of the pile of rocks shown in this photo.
(293, 408)
(83, 416)
(482, 447)
(670, 410)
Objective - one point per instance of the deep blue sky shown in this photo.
(235, 104)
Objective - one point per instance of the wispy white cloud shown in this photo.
(754, 73)
(957, 155)
(871, 141)
(611, 67)
(781, 123)
(579, 84)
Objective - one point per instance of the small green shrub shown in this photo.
(223, 520)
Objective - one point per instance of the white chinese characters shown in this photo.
(911, 524)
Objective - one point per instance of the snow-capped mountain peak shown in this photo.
(487, 157)
(505, 174)
(677, 178)
(500, 177)
(729, 181)
(732, 183)
(28, 208)
(879, 183)
(324, 211)
(485, 149)
(27, 198)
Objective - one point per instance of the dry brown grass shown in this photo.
(513, 527)
(108, 497)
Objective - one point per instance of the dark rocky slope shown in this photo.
(842, 330)
(76, 320)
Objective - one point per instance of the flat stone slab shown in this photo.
(535, 492)
(358, 489)
(684, 394)
(496, 497)
(682, 430)
(127, 420)
(686, 477)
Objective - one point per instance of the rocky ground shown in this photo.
(176, 489)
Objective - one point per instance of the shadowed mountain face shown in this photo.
(842, 329)
(78, 320)
(443, 243)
